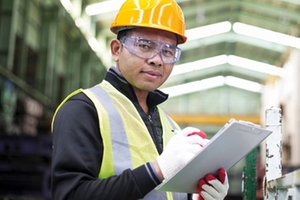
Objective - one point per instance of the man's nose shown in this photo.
(156, 59)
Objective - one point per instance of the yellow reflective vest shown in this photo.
(126, 140)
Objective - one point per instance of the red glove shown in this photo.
(200, 133)
(222, 177)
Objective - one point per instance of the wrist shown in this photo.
(157, 169)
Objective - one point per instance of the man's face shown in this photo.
(142, 73)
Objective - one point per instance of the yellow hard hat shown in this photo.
(160, 14)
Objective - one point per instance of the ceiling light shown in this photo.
(109, 6)
(94, 44)
(243, 84)
(209, 30)
(267, 35)
(67, 4)
(292, 1)
(199, 64)
(256, 66)
(232, 60)
(79, 22)
(191, 87)
(103, 7)
(210, 83)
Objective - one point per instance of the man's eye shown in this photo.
(144, 46)
(168, 52)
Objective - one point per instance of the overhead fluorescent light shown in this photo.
(103, 7)
(199, 64)
(210, 83)
(267, 35)
(109, 6)
(255, 66)
(209, 30)
(67, 4)
(232, 60)
(292, 1)
(79, 22)
(195, 86)
(94, 44)
(243, 84)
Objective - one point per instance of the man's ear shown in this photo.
(115, 49)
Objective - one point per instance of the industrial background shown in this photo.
(241, 58)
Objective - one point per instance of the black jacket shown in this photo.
(78, 150)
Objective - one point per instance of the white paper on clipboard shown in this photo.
(226, 148)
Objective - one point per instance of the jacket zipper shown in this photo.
(150, 119)
(156, 142)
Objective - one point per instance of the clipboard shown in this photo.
(226, 148)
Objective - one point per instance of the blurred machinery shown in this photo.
(25, 167)
(43, 56)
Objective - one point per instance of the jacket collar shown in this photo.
(115, 78)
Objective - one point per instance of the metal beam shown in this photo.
(26, 88)
(212, 119)
(267, 14)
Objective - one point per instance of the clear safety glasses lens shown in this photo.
(146, 48)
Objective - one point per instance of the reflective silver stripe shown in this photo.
(163, 196)
(156, 195)
(170, 121)
(121, 152)
(179, 196)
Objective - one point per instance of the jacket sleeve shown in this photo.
(77, 155)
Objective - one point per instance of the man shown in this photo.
(112, 141)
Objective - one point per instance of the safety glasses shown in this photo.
(146, 48)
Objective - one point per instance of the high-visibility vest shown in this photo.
(126, 140)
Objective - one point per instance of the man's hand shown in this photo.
(212, 188)
(180, 149)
